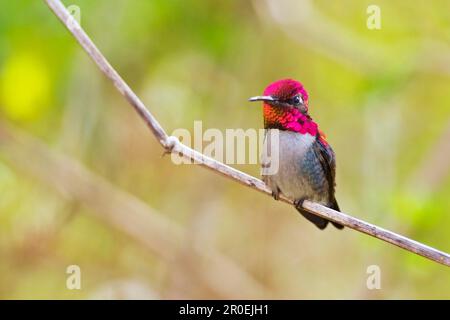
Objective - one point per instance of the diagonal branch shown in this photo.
(171, 144)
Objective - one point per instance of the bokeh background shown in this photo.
(83, 182)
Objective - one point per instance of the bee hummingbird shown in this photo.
(306, 164)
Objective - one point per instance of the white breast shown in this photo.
(288, 178)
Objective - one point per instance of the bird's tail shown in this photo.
(320, 222)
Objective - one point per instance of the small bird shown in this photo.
(306, 164)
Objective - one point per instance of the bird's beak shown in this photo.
(262, 98)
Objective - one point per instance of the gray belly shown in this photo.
(294, 179)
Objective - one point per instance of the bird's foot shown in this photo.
(276, 194)
(299, 203)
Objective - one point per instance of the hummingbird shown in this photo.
(307, 163)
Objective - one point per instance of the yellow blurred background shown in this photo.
(83, 182)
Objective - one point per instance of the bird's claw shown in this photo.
(276, 195)
(299, 202)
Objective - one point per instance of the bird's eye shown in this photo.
(297, 100)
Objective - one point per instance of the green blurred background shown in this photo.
(382, 97)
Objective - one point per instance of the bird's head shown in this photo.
(286, 107)
(286, 93)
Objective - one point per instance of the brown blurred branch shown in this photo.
(171, 144)
(127, 214)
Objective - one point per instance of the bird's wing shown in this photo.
(325, 154)
(328, 162)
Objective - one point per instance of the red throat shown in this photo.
(288, 119)
(291, 120)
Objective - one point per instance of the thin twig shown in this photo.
(171, 144)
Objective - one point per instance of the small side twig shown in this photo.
(171, 144)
